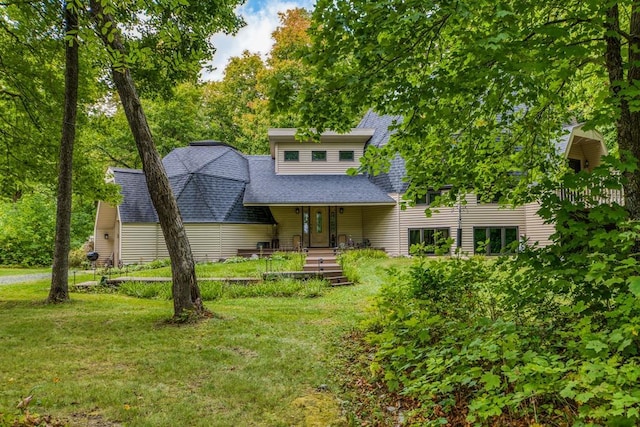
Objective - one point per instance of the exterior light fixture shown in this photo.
(297, 211)
(586, 163)
(341, 210)
(106, 236)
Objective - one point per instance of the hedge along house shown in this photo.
(300, 196)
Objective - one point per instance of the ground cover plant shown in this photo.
(229, 267)
(110, 359)
(549, 337)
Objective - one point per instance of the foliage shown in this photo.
(27, 229)
(350, 260)
(550, 335)
(481, 88)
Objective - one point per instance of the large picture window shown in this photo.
(430, 241)
(494, 240)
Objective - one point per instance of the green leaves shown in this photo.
(634, 285)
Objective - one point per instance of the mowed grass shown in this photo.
(259, 362)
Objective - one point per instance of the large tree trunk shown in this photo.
(628, 122)
(186, 294)
(60, 277)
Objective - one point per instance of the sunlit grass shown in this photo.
(116, 357)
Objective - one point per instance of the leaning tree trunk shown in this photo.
(59, 276)
(186, 294)
(628, 122)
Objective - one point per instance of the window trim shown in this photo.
(503, 239)
(297, 156)
(323, 152)
(350, 152)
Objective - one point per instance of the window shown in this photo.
(494, 198)
(428, 198)
(494, 240)
(291, 156)
(346, 156)
(319, 156)
(429, 241)
(575, 164)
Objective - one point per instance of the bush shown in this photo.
(549, 336)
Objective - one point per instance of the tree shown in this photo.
(169, 16)
(484, 86)
(59, 276)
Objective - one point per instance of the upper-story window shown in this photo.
(346, 156)
(428, 198)
(291, 156)
(319, 156)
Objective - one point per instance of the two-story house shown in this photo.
(300, 196)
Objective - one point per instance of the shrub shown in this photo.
(549, 336)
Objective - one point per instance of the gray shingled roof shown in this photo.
(392, 181)
(208, 180)
(268, 188)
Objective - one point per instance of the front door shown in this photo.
(319, 227)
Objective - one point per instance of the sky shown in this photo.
(261, 17)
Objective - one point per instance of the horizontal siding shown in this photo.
(289, 224)
(380, 225)
(350, 223)
(204, 240)
(209, 242)
(142, 243)
(240, 236)
(471, 214)
(536, 230)
(332, 166)
(106, 223)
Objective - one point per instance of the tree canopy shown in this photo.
(484, 87)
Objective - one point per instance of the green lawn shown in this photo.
(259, 362)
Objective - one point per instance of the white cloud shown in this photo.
(262, 19)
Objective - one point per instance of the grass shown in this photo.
(261, 361)
(233, 267)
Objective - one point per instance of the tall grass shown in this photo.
(213, 290)
(351, 259)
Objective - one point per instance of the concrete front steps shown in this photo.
(324, 262)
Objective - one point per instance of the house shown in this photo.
(301, 196)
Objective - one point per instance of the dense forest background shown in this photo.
(235, 110)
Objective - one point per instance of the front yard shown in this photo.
(110, 359)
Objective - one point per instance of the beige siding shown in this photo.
(332, 166)
(349, 223)
(237, 236)
(289, 224)
(476, 214)
(471, 215)
(381, 227)
(536, 230)
(106, 223)
(142, 243)
(209, 242)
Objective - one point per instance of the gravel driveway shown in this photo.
(23, 278)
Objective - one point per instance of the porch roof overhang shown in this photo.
(269, 189)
